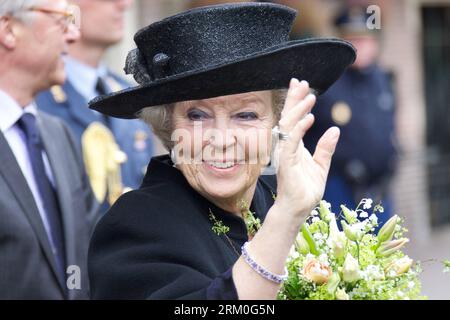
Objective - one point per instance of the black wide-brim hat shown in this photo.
(221, 50)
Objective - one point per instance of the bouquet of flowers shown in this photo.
(356, 263)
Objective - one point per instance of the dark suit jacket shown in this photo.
(157, 242)
(27, 266)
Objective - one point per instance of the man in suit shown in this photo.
(102, 25)
(47, 209)
(361, 103)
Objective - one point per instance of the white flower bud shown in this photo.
(350, 270)
(399, 266)
(341, 294)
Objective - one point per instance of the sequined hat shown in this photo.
(221, 50)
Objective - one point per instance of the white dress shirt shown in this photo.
(10, 113)
(84, 78)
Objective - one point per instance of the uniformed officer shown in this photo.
(113, 163)
(361, 104)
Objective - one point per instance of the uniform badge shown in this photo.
(341, 113)
(140, 140)
(58, 94)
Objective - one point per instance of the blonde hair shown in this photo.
(159, 118)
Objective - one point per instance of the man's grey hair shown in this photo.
(159, 118)
(17, 8)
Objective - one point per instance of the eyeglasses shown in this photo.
(70, 16)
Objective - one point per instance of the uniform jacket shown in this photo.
(361, 104)
(133, 136)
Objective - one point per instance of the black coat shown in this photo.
(157, 243)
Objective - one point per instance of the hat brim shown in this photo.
(318, 61)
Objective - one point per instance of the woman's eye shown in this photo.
(197, 115)
(246, 116)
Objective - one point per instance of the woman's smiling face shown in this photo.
(223, 143)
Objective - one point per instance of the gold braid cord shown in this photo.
(102, 158)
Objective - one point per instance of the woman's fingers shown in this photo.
(297, 91)
(325, 148)
(297, 134)
(296, 113)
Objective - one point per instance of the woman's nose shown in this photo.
(221, 137)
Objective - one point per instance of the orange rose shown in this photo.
(316, 271)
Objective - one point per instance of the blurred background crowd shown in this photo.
(391, 107)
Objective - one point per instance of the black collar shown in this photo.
(161, 169)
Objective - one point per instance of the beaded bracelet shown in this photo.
(260, 269)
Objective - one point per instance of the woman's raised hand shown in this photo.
(301, 177)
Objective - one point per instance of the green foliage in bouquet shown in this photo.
(353, 264)
(446, 266)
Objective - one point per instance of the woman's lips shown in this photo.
(222, 166)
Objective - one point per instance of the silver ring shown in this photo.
(281, 135)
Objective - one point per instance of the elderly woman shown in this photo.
(205, 224)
